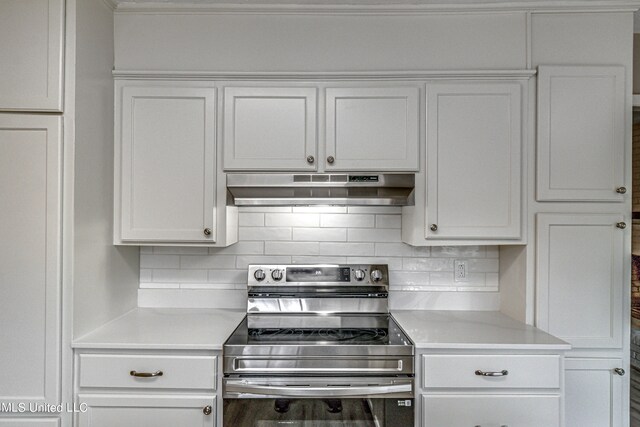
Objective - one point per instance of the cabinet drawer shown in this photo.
(461, 371)
(181, 372)
(490, 411)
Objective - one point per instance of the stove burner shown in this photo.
(334, 335)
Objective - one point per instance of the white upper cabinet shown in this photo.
(473, 170)
(580, 278)
(166, 163)
(269, 128)
(30, 191)
(31, 48)
(373, 129)
(581, 132)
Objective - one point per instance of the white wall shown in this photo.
(105, 277)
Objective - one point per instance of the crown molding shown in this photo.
(325, 76)
(377, 9)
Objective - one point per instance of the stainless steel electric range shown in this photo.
(318, 348)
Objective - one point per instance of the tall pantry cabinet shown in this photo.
(580, 210)
(31, 194)
(56, 173)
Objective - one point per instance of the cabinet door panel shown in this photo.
(167, 164)
(373, 129)
(579, 278)
(580, 133)
(31, 48)
(269, 128)
(30, 188)
(468, 410)
(473, 160)
(146, 410)
(593, 393)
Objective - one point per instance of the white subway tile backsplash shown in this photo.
(179, 276)
(458, 251)
(427, 264)
(243, 262)
(208, 261)
(388, 221)
(291, 248)
(373, 235)
(291, 220)
(240, 248)
(320, 234)
(318, 259)
(264, 233)
(311, 235)
(395, 249)
(159, 261)
(251, 219)
(347, 220)
(353, 249)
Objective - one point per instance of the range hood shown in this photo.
(293, 189)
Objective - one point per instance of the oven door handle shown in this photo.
(241, 387)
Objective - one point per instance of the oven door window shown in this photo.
(335, 412)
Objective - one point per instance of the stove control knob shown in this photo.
(259, 275)
(359, 275)
(376, 275)
(276, 275)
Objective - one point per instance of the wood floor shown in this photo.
(301, 413)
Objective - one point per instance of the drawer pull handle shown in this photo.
(207, 410)
(501, 425)
(146, 374)
(503, 373)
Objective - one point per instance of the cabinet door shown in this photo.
(146, 410)
(270, 128)
(473, 160)
(581, 133)
(167, 164)
(30, 189)
(579, 278)
(31, 48)
(593, 393)
(489, 410)
(372, 129)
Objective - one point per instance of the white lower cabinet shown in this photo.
(146, 410)
(491, 389)
(594, 392)
(158, 389)
(491, 410)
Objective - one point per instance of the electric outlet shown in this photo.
(460, 271)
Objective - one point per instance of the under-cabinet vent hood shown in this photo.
(291, 189)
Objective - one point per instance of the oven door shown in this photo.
(318, 402)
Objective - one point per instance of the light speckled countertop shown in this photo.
(488, 330)
(165, 329)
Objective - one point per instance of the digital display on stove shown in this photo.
(318, 274)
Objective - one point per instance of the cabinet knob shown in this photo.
(434, 227)
(621, 225)
(330, 159)
(621, 190)
(207, 410)
(311, 159)
(619, 371)
(207, 232)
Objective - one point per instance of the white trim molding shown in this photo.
(329, 75)
(374, 7)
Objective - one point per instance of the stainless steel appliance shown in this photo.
(318, 348)
(283, 189)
